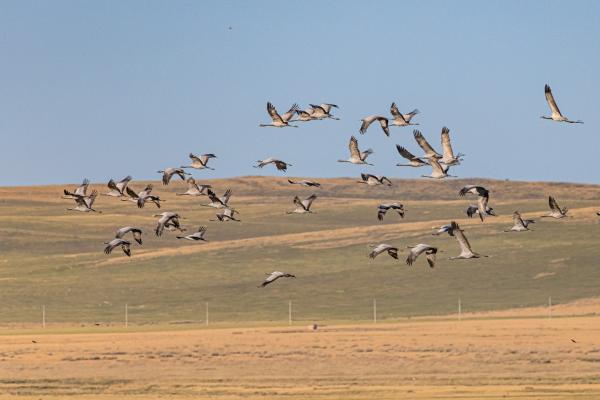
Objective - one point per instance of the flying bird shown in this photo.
(117, 189)
(143, 197)
(382, 209)
(424, 144)
(556, 115)
(465, 246)
(167, 219)
(449, 158)
(473, 189)
(196, 236)
(356, 156)
(555, 210)
(280, 121)
(443, 229)
(392, 251)
(483, 197)
(303, 206)
(323, 111)
(305, 115)
(136, 232)
(374, 180)
(413, 160)
(402, 119)
(81, 190)
(280, 165)
(519, 224)
(218, 202)
(125, 246)
(273, 276)
(416, 251)
(367, 121)
(305, 183)
(200, 162)
(438, 171)
(228, 214)
(84, 203)
(133, 196)
(473, 210)
(147, 197)
(169, 172)
(194, 189)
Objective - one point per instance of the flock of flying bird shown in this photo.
(439, 163)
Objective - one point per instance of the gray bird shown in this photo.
(125, 246)
(322, 111)
(556, 115)
(374, 180)
(196, 236)
(228, 214)
(519, 224)
(383, 208)
(169, 172)
(200, 162)
(117, 189)
(305, 183)
(367, 121)
(84, 203)
(280, 165)
(357, 156)
(381, 248)
(555, 210)
(81, 190)
(280, 121)
(402, 119)
(194, 189)
(167, 220)
(273, 276)
(303, 206)
(414, 161)
(416, 251)
(136, 232)
(465, 246)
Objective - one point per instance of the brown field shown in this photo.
(485, 357)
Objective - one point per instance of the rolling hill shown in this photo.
(52, 257)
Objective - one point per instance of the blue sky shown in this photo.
(106, 89)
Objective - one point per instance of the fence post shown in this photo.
(459, 309)
(290, 313)
(126, 316)
(43, 316)
(374, 311)
(207, 313)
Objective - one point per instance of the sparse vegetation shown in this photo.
(54, 258)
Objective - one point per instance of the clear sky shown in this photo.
(109, 88)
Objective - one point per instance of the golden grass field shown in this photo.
(505, 346)
(491, 358)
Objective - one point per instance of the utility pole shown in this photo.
(374, 311)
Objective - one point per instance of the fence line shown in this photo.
(300, 313)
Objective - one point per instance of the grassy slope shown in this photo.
(52, 257)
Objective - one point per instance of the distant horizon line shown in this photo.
(315, 178)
